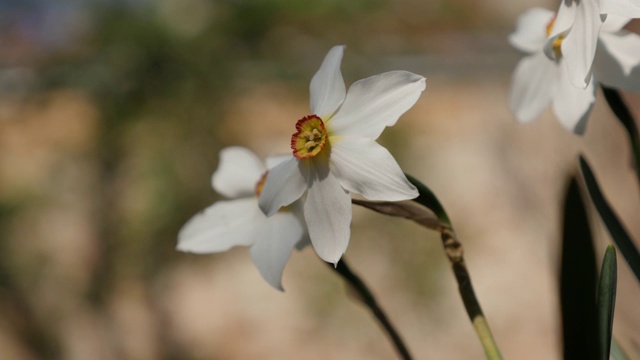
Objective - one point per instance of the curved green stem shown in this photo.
(429, 200)
(454, 251)
(489, 345)
(369, 300)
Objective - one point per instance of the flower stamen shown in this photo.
(310, 137)
(558, 41)
(260, 184)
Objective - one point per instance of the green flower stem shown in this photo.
(489, 345)
(454, 251)
(620, 109)
(367, 298)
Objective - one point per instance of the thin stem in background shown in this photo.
(432, 216)
(454, 251)
(369, 300)
(620, 109)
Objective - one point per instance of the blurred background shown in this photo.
(112, 114)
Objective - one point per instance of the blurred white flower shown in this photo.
(573, 36)
(538, 80)
(335, 152)
(627, 8)
(240, 177)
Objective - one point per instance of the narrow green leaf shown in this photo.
(578, 281)
(607, 299)
(364, 295)
(617, 231)
(428, 199)
(620, 109)
(454, 251)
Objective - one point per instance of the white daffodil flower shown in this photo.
(240, 177)
(335, 152)
(573, 36)
(538, 81)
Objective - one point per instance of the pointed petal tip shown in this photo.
(182, 247)
(419, 79)
(185, 243)
(423, 81)
(411, 192)
(409, 77)
(331, 259)
(274, 283)
(180, 244)
(263, 207)
(266, 208)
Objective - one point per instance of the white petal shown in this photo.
(285, 184)
(561, 24)
(579, 45)
(532, 86)
(614, 23)
(531, 30)
(274, 160)
(617, 62)
(238, 172)
(364, 167)
(628, 8)
(298, 209)
(572, 105)
(277, 237)
(221, 226)
(376, 102)
(327, 86)
(327, 212)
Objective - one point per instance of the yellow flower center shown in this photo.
(260, 183)
(310, 137)
(558, 41)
